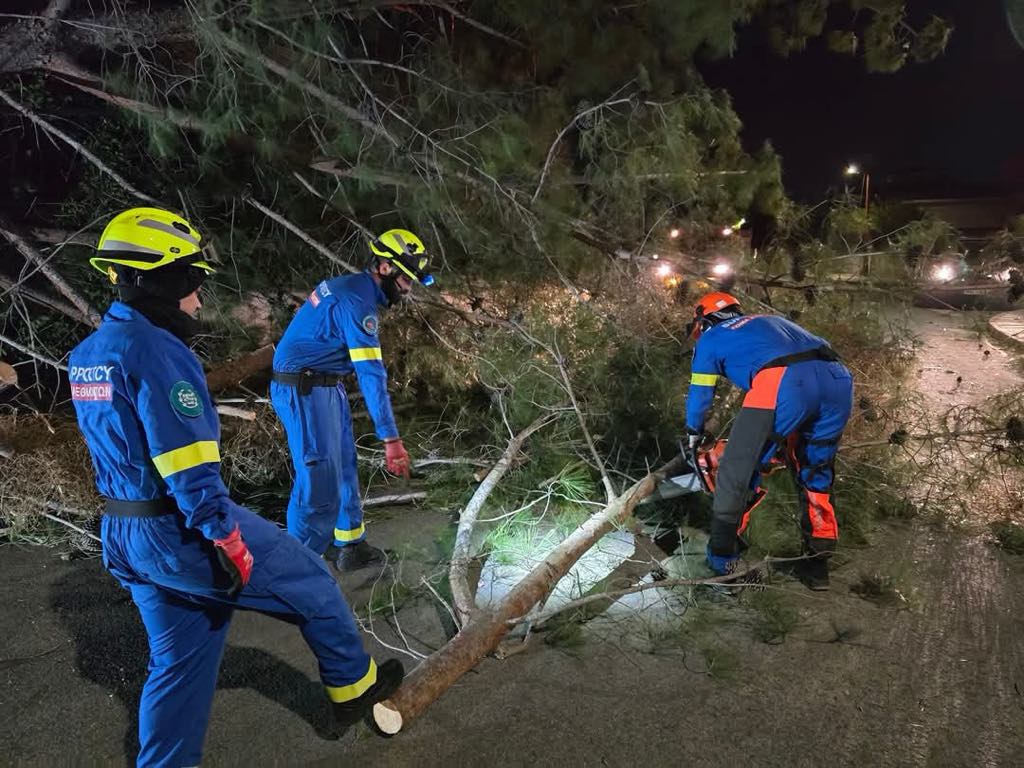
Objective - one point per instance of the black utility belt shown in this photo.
(821, 353)
(147, 508)
(304, 381)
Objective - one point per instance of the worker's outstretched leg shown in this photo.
(290, 580)
(186, 642)
(313, 424)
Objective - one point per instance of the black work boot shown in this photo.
(354, 557)
(814, 573)
(389, 678)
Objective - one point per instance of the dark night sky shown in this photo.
(960, 117)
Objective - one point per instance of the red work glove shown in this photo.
(396, 458)
(235, 558)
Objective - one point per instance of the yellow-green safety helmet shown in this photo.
(406, 251)
(147, 239)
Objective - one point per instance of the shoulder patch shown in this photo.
(185, 400)
(370, 324)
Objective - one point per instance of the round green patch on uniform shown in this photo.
(185, 399)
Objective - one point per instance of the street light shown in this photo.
(852, 169)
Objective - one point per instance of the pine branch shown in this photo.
(479, 25)
(305, 237)
(32, 353)
(462, 594)
(55, 131)
(33, 256)
(42, 299)
(561, 135)
(307, 87)
(184, 121)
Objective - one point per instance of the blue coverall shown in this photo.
(334, 332)
(805, 403)
(152, 429)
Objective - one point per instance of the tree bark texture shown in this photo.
(234, 371)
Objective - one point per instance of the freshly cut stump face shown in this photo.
(387, 720)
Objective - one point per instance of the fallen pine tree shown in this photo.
(481, 635)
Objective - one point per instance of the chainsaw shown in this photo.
(703, 466)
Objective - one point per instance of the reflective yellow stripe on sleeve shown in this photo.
(343, 693)
(186, 457)
(704, 379)
(361, 354)
(354, 535)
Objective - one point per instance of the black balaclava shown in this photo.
(389, 284)
(155, 294)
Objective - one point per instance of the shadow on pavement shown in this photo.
(111, 650)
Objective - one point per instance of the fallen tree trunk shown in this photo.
(483, 633)
(241, 368)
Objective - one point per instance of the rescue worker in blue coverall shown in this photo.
(171, 534)
(799, 398)
(334, 334)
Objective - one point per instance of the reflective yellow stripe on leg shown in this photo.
(343, 693)
(354, 535)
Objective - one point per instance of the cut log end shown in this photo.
(387, 721)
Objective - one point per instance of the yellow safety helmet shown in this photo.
(147, 239)
(406, 251)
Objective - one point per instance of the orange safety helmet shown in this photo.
(707, 308)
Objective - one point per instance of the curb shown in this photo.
(1009, 325)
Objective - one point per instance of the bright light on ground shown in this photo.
(852, 169)
(663, 270)
(721, 269)
(674, 233)
(943, 273)
(726, 231)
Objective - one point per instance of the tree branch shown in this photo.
(307, 87)
(55, 131)
(44, 300)
(186, 122)
(32, 353)
(462, 594)
(33, 256)
(733, 580)
(561, 135)
(301, 234)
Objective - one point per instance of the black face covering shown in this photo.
(389, 284)
(156, 293)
